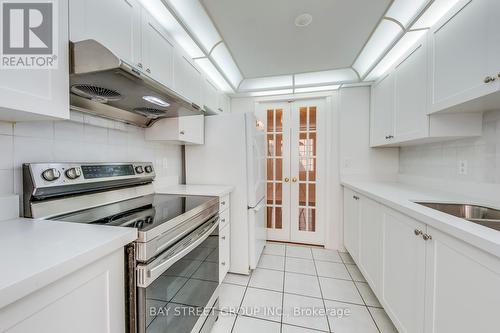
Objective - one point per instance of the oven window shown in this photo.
(176, 300)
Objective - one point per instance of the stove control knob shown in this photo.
(51, 174)
(148, 169)
(73, 173)
(139, 169)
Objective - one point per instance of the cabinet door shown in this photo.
(114, 23)
(459, 55)
(462, 287)
(187, 79)
(370, 248)
(157, 51)
(403, 285)
(38, 93)
(382, 111)
(224, 252)
(411, 85)
(494, 40)
(351, 223)
(210, 95)
(224, 103)
(191, 129)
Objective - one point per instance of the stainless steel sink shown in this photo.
(485, 216)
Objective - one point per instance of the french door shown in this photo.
(295, 161)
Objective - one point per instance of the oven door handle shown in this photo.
(164, 263)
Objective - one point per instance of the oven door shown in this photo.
(177, 291)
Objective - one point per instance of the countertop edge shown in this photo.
(195, 189)
(481, 237)
(14, 292)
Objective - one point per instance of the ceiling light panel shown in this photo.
(206, 65)
(395, 54)
(271, 82)
(324, 77)
(194, 16)
(383, 37)
(405, 11)
(272, 92)
(313, 89)
(161, 14)
(224, 60)
(434, 13)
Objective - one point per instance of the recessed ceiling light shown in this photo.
(303, 20)
(156, 100)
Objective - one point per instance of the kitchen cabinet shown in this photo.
(91, 299)
(157, 51)
(351, 222)
(403, 288)
(114, 23)
(400, 104)
(187, 78)
(210, 96)
(224, 236)
(39, 94)
(465, 53)
(462, 286)
(180, 130)
(224, 103)
(370, 241)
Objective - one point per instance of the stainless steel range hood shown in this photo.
(103, 84)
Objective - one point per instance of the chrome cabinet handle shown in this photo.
(355, 197)
(223, 263)
(418, 232)
(489, 79)
(148, 70)
(139, 65)
(223, 220)
(389, 137)
(223, 237)
(426, 237)
(223, 203)
(181, 132)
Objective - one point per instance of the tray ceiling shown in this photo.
(264, 41)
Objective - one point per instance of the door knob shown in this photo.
(287, 179)
(294, 180)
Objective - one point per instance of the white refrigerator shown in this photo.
(234, 154)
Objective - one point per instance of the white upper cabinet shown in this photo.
(187, 79)
(114, 23)
(210, 95)
(157, 57)
(351, 223)
(382, 111)
(180, 130)
(410, 106)
(224, 103)
(37, 94)
(400, 106)
(464, 57)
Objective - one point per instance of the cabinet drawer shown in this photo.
(224, 252)
(224, 203)
(224, 219)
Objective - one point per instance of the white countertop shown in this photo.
(210, 190)
(35, 253)
(401, 197)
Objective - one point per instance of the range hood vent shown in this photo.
(103, 84)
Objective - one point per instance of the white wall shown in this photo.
(84, 139)
(356, 157)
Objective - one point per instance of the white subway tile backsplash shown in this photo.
(441, 160)
(68, 131)
(6, 128)
(35, 129)
(93, 134)
(6, 181)
(28, 149)
(7, 151)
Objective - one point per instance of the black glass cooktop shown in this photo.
(144, 213)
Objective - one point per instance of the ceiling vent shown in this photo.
(95, 93)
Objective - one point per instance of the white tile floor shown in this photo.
(298, 289)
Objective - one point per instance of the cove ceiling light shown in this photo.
(384, 36)
(194, 16)
(224, 60)
(401, 47)
(272, 92)
(324, 77)
(313, 89)
(161, 14)
(405, 11)
(263, 83)
(214, 75)
(434, 13)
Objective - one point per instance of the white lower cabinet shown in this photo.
(462, 287)
(403, 287)
(426, 280)
(224, 237)
(181, 130)
(91, 299)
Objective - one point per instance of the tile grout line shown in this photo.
(321, 291)
(362, 298)
(283, 293)
(241, 303)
